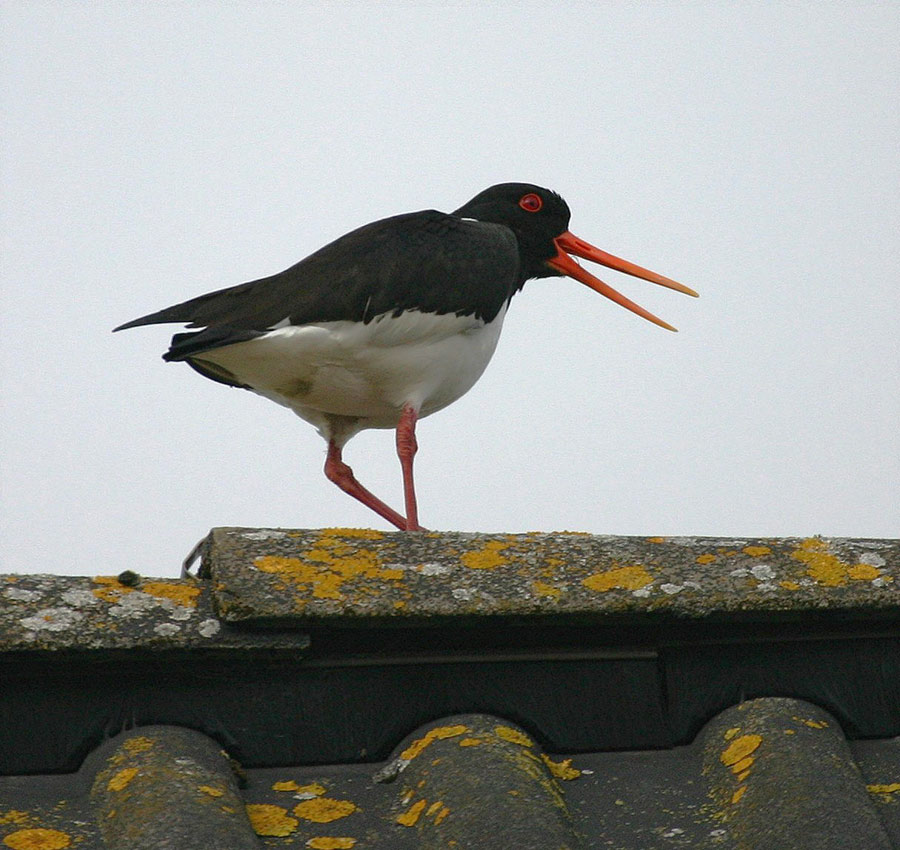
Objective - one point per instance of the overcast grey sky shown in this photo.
(155, 151)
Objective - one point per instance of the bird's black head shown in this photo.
(536, 215)
(540, 220)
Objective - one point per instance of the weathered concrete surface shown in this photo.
(165, 788)
(45, 612)
(342, 576)
(765, 761)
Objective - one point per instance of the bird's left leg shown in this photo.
(342, 475)
(406, 450)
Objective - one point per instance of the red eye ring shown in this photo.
(531, 202)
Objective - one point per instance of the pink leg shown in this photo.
(342, 475)
(406, 449)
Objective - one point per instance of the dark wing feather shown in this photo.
(426, 260)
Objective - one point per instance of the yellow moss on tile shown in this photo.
(739, 749)
(313, 788)
(705, 559)
(441, 815)
(561, 769)
(324, 809)
(893, 788)
(757, 551)
(324, 570)
(411, 816)
(15, 816)
(656, 539)
(324, 842)
(110, 589)
(182, 593)
(437, 734)
(269, 820)
(743, 766)
(471, 742)
(541, 588)
(489, 557)
(139, 744)
(38, 839)
(736, 797)
(789, 585)
(813, 724)
(358, 533)
(827, 569)
(211, 790)
(863, 572)
(514, 736)
(121, 779)
(621, 578)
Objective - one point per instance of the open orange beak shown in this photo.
(568, 243)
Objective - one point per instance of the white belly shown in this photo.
(365, 372)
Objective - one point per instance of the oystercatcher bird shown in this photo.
(391, 322)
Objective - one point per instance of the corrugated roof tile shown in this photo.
(407, 692)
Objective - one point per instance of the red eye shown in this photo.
(531, 202)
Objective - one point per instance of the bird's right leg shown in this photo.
(342, 475)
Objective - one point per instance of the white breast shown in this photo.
(368, 371)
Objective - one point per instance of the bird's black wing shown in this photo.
(427, 260)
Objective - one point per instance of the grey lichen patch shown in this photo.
(51, 620)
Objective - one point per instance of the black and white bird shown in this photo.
(391, 322)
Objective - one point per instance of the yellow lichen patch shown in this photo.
(121, 779)
(821, 565)
(433, 808)
(359, 533)
(739, 749)
(514, 736)
(541, 588)
(437, 734)
(110, 589)
(736, 797)
(863, 572)
(331, 843)
(211, 790)
(181, 594)
(324, 809)
(622, 578)
(813, 724)
(789, 585)
(312, 788)
(705, 559)
(743, 766)
(412, 814)
(37, 839)
(140, 744)
(489, 557)
(730, 733)
(757, 551)
(15, 816)
(893, 788)
(561, 769)
(471, 742)
(271, 820)
(323, 570)
(441, 815)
